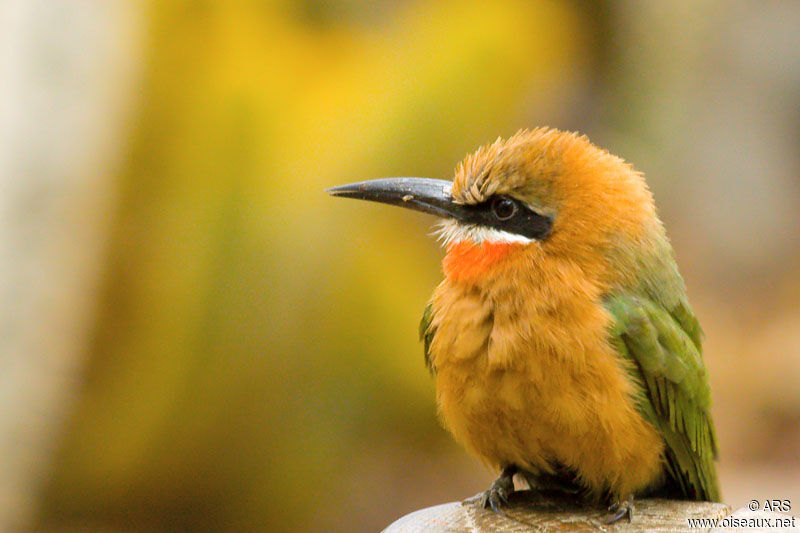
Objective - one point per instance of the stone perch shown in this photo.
(529, 511)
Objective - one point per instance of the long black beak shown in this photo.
(421, 194)
(434, 197)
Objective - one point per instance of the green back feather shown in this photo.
(656, 330)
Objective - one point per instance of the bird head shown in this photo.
(541, 196)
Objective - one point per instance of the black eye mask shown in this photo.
(507, 214)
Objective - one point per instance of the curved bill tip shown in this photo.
(336, 191)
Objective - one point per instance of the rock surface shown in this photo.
(529, 511)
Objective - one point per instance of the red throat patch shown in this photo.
(466, 260)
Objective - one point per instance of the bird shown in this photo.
(561, 339)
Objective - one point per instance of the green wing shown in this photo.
(426, 333)
(665, 349)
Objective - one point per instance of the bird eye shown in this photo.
(504, 208)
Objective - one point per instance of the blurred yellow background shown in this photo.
(196, 337)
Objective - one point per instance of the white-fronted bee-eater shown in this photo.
(561, 339)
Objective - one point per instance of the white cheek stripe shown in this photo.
(450, 231)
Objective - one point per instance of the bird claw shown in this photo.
(498, 493)
(620, 510)
(493, 498)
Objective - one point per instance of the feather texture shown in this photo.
(675, 394)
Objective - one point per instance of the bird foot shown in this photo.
(501, 489)
(619, 510)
